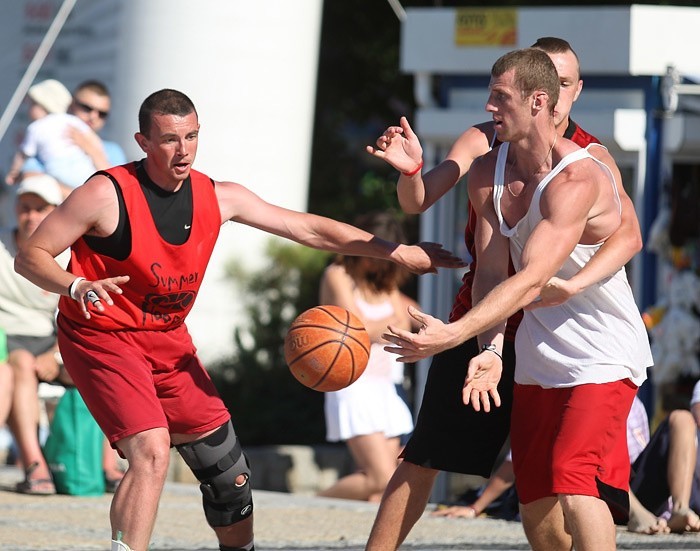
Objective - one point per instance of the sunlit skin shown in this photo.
(505, 104)
(569, 91)
(171, 147)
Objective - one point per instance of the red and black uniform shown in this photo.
(448, 435)
(135, 364)
(163, 278)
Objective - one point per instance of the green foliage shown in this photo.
(360, 91)
(267, 404)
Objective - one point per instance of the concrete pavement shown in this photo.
(291, 522)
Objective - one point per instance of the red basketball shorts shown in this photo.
(134, 381)
(572, 440)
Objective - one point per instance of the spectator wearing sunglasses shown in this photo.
(92, 103)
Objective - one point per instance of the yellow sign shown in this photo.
(486, 27)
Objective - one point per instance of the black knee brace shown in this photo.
(217, 460)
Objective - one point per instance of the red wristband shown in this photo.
(416, 171)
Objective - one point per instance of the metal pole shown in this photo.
(399, 12)
(34, 66)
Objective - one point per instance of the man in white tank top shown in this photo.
(578, 365)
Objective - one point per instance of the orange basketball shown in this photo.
(326, 348)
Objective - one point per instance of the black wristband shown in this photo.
(491, 348)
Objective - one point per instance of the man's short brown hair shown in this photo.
(163, 102)
(533, 70)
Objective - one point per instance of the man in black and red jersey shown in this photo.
(449, 436)
(141, 236)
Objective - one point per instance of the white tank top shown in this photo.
(596, 336)
(381, 364)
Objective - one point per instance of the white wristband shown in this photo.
(72, 286)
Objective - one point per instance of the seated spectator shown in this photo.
(662, 472)
(497, 497)
(695, 411)
(65, 145)
(27, 317)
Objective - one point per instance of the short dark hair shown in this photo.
(554, 45)
(534, 70)
(163, 102)
(97, 86)
(383, 275)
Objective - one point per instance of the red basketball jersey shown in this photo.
(164, 278)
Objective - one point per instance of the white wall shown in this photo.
(609, 40)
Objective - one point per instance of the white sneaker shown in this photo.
(120, 546)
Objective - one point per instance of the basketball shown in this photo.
(326, 348)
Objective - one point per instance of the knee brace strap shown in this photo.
(217, 460)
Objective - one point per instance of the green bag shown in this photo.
(73, 449)
(3, 346)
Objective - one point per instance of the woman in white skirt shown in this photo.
(369, 415)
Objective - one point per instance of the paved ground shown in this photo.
(283, 521)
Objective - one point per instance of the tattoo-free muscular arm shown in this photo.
(617, 250)
(623, 244)
(239, 204)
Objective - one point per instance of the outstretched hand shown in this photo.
(481, 384)
(433, 337)
(427, 257)
(399, 147)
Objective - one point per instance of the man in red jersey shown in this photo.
(141, 236)
(444, 425)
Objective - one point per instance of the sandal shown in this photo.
(35, 486)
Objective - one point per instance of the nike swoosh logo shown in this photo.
(187, 227)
